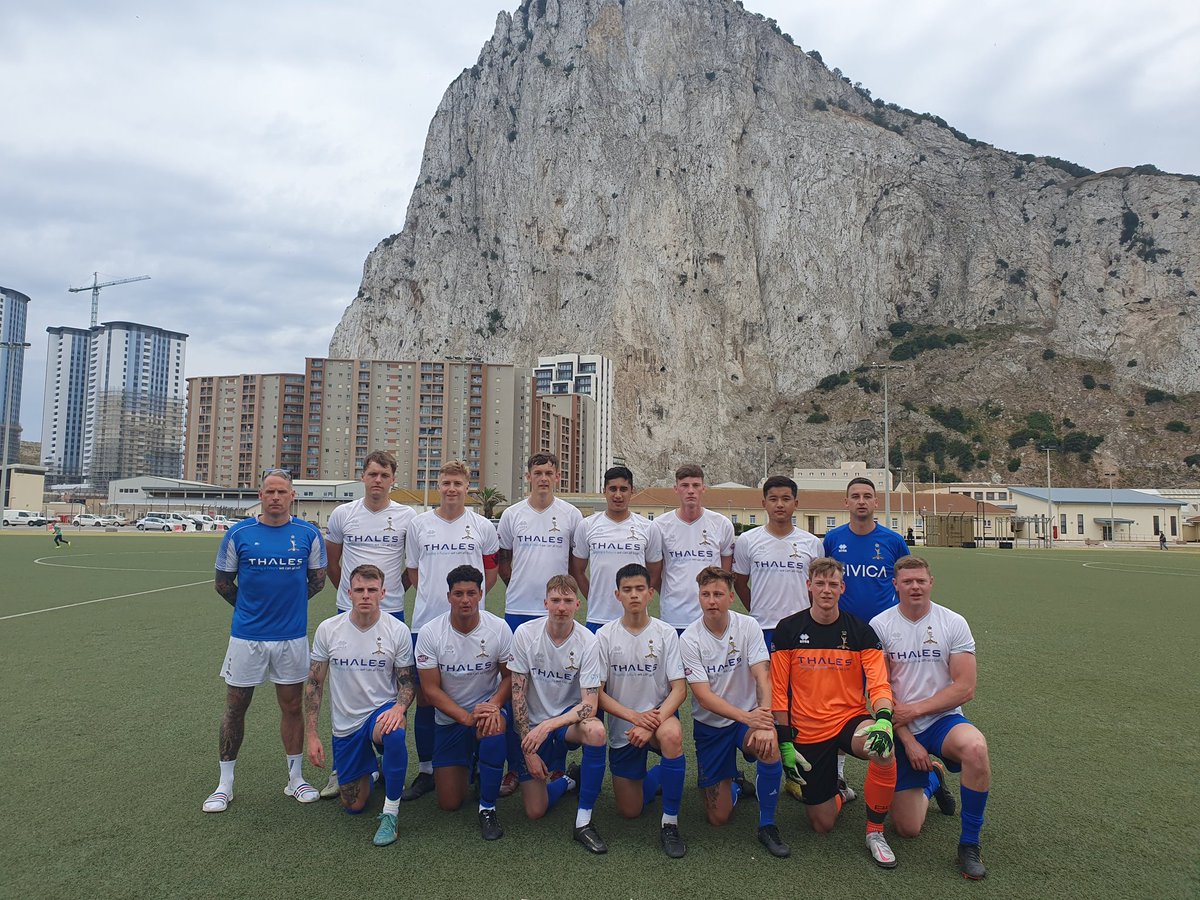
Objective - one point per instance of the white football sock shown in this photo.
(391, 807)
(842, 766)
(583, 817)
(295, 768)
(226, 783)
(425, 768)
(670, 820)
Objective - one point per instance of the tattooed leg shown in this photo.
(233, 722)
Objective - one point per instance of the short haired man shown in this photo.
(535, 545)
(725, 660)
(770, 564)
(643, 686)
(692, 538)
(605, 542)
(555, 668)
(931, 664)
(436, 542)
(868, 550)
(267, 569)
(822, 658)
(462, 656)
(367, 659)
(369, 530)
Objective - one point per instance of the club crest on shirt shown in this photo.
(929, 635)
(553, 524)
(293, 548)
(482, 654)
(844, 645)
(389, 525)
(733, 647)
(651, 654)
(795, 554)
(571, 667)
(468, 536)
(704, 541)
(378, 651)
(878, 553)
(633, 535)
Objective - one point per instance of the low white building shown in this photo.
(1098, 514)
(830, 478)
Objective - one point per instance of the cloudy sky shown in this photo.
(248, 156)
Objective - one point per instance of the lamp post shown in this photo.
(9, 347)
(1049, 499)
(764, 440)
(1112, 523)
(887, 448)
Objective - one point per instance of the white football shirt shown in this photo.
(362, 666)
(371, 537)
(688, 547)
(778, 570)
(541, 548)
(435, 547)
(637, 669)
(556, 673)
(918, 654)
(723, 662)
(468, 663)
(607, 546)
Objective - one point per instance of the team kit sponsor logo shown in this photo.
(355, 663)
(437, 547)
(692, 554)
(615, 547)
(545, 539)
(373, 538)
(779, 564)
(275, 562)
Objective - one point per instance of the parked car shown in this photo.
(154, 523)
(118, 521)
(86, 519)
(221, 523)
(23, 517)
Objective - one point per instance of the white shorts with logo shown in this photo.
(251, 663)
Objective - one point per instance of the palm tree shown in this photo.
(489, 499)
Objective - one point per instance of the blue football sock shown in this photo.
(932, 784)
(512, 738)
(491, 768)
(591, 775)
(395, 763)
(555, 789)
(673, 771)
(734, 793)
(767, 782)
(423, 731)
(973, 803)
(651, 784)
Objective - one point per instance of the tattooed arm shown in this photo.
(314, 690)
(316, 581)
(405, 688)
(531, 738)
(225, 584)
(520, 702)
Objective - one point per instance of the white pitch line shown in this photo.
(34, 612)
(1135, 569)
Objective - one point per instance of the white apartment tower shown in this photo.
(13, 311)
(588, 375)
(64, 405)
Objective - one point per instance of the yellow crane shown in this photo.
(95, 286)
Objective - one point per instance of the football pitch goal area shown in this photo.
(1087, 694)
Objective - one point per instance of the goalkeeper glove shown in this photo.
(878, 734)
(792, 761)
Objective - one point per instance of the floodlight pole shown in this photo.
(887, 448)
(1049, 500)
(1112, 520)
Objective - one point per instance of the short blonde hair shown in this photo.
(910, 562)
(455, 467)
(564, 583)
(826, 565)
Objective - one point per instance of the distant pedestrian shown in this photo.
(59, 539)
(1162, 540)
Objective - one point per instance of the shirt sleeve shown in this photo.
(673, 661)
(741, 555)
(961, 639)
(412, 544)
(575, 517)
(756, 652)
(727, 537)
(504, 534)
(333, 527)
(316, 552)
(488, 542)
(693, 666)
(518, 656)
(827, 544)
(590, 671)
(874, 665)
(579, 541)
(781, 665)
(426, 649)
(505, 641)
(320, 646)
(404, 648)
(227, 555)
(654, 552)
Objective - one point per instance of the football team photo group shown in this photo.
(789, 651)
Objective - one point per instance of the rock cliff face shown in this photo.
(675, 184)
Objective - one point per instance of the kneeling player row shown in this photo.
(532, 696)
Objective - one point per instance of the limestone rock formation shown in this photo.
(677, 185)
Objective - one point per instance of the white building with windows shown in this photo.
(13, 311)
(1099, 514)
(587, 375)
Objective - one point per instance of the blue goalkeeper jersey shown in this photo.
(272, 564)
(870, 561)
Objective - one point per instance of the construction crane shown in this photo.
(95, 286)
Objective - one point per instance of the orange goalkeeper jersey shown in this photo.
(822, 668)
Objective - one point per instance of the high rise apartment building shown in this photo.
(238, 426)
(64, 403)
(129, 420)
(566, 425)
(423, 412)
(13, 312)
(587, 375)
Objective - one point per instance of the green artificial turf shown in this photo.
(1087, 694)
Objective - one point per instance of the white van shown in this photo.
(23, 517)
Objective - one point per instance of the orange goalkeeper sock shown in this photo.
(878, 791)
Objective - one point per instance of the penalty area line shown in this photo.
(173, 587)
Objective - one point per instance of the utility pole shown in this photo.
(95, 287)
(1049, 499)
(887, 449)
